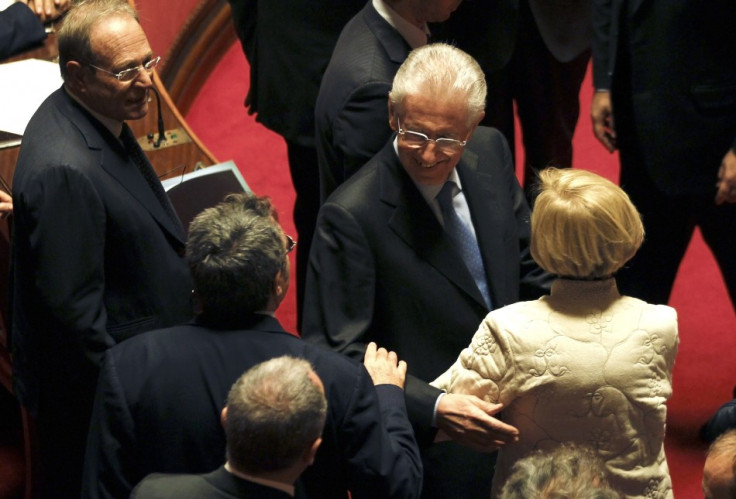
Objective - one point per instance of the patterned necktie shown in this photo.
(144, 166)
(463, 239)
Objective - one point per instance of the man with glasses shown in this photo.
(415, 249)
(98, 252)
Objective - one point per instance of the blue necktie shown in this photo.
(463, 239)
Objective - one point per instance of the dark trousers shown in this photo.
(305, 178)
(546, 93)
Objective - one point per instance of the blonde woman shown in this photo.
(583, 364)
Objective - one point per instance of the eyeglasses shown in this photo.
(417, 140)
(291, 244)
(131, 73)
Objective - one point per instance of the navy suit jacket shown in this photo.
(218, 484)
(160, 396)
(20, 28)
(679, 81)
(351, 113)
(95, 258)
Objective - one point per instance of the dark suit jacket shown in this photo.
(95, 258)
(381, 268)
(160, 395)
(218, 484)
(288, 45)
(351, 115)
(679, 84)
(20, 28)
(488, 29)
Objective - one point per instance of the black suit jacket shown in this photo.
(20, 28)
(488, 29)
(678, 84)
(351, 114)
(95, 258)
(218, 484)
(160, 395)
(288, 44)
(382, 269)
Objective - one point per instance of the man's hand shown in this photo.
(384, 366)
(727, 179)
(6, 204)
(48, 10)
(602, 113)
(468, 420)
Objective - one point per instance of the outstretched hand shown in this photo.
(384, 367)
(469, 421)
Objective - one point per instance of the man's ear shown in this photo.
(223, 416)
(76, 77)
(391, 117)
(312, 452)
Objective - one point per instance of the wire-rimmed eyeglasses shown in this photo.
(417, 140)
(291, 244)
(131, 73)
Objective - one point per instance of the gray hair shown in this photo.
(76, 28)
(569, 471)
(442, 71)
(275, 412)
(235, 250)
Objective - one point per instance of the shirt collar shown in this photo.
(414, 36)
(285, 487)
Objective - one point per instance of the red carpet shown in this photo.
(705, 372)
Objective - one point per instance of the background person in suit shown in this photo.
(383, 269)
(20, 28)
(351, 113)
(665, 79)
(96, 256)
(160, 394)
(288, 45)
(273, 422)
(534, 53)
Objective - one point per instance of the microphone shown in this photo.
(161, 128)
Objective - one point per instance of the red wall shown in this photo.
(162, 20)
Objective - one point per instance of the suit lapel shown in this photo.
(414, 223)
(394, 44)
(113, 159)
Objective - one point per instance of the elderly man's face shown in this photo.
(431, 164)
(118, 43)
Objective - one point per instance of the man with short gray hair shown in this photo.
(417, 247)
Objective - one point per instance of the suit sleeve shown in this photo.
(602, 17)
(64, 210)
(111, 440)
(341, 280)
(383, 452)
(340, 302)
(19, 29)
(359, 131)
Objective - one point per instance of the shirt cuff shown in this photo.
(436, 405)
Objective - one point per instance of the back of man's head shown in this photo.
(275, 414)
(235, 251)
(568, 471)
(719, 472)
(76, 28)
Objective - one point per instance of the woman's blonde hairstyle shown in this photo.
(583, 225)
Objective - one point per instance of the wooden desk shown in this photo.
(181, 153)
